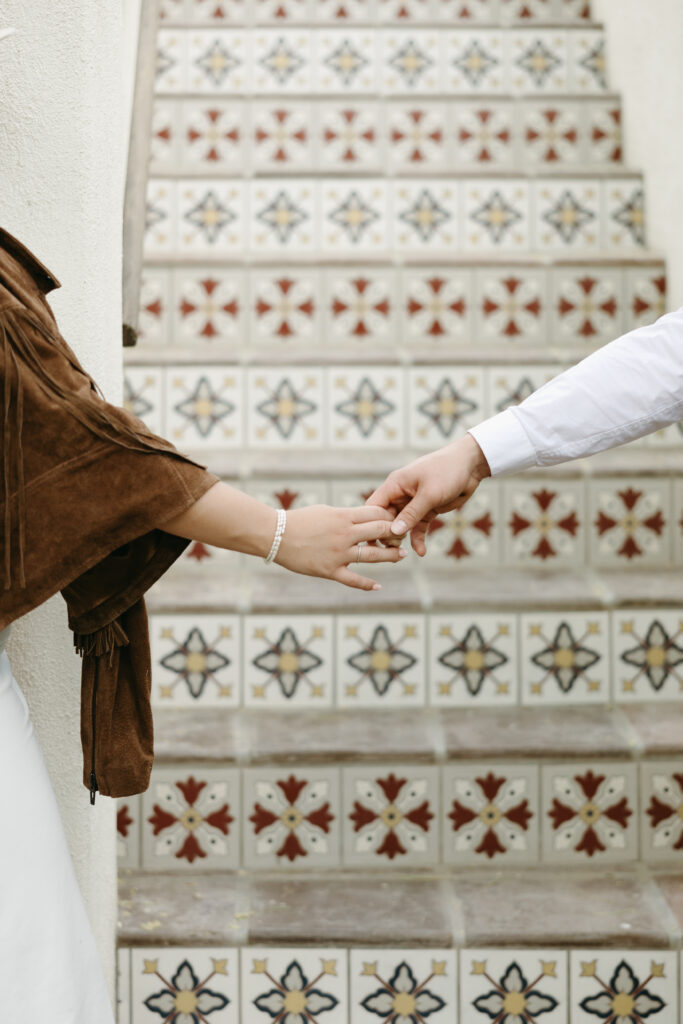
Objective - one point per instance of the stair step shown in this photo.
(623, 909)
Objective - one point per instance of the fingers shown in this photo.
(374, 530)
(390, 492)
(415, 511)
(352, 579)
(418, 538)
(370, 513)
(372, 554)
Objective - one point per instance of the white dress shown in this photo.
(49, 964)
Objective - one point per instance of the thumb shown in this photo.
(413, 513)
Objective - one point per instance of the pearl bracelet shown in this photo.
(279, 534)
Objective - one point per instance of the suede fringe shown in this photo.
(104, 639)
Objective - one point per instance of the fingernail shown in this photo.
(377, 586)
(398, 526)
(402, 553)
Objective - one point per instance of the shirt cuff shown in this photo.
(505, 443)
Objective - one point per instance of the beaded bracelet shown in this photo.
(279, 534)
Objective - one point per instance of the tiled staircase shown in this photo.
(371, 224)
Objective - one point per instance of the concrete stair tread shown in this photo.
(408, 587)
(541, 908)
(424, 734)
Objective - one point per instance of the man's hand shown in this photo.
(430, 486)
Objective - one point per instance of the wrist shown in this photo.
(475, 459)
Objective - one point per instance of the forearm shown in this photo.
(227, 518)
(622, 391)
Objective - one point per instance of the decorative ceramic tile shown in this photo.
(539, 62)
(196, 660)
(587, 304)
(283, 216)
(291, 818)
(290, 493)
(417, 135)
(465, 11)
(511, 305)
(155, 302)
(350, 136)
(218, 62)
(625, 214)
(143, 395)
(627, 985)
(575, 10)
(366, 407)
(568, 214)
(630, 522)
(280, 10)
(204, 406)
(343, 11)
(544, 523)
(589, 813)
(216, 13)
(551, 134)
(346, 62)
(128, 811)
(490, 814)
(587, 59)
(211, 217)
(392, 816)
(437, 304)
(605, 133)
(164, 140)
(352, 493)
(483, 135)
(286, 408)
(212, 136)
(282, 136)
(191, 819)
(167, 980)
(282, 983)
(506, 983)
(410, 62)
(285, 305)
(209, 306)
(648, 655)
(282, 61)
(403, 10)
(645, 295)
(354, 216)
(360, 306)
(525, 10)
(661, 792)
(381, 661)
(426, 215)
(470, 536)
(391, 984)
(444, 404)
(288, 661)
(122, 1008)
(160, 218)
(565, 658)
(475, 62)
(171, 61)
(508, 386)
(473, 660)
(496, 216)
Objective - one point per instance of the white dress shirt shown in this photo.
(629, 388)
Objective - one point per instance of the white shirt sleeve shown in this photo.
(622, 391)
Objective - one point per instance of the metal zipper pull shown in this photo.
(93, 786)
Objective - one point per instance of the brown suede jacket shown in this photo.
(85, 486)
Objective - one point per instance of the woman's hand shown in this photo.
(323, 541)
(430, 486)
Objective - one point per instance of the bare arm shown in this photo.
(319, 541)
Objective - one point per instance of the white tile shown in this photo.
(444, 404)
(565, 658)
(209, 306)
(410, 62)
(123, 955)
(143, 395)
(604, 980)
(661, 813)
(366, 407)
(468, 537)
(403, 982)
(346, 61)
(539, 61)
(203, 977)
(196, 660)
(496, 216)
(568, 214)
(436, 305)
(426, 215)
(128, 841)
(204, 406)
(356, 216)
(647, 649)
(625, 213)
(630, 522)
(161, 218)
(218, 61)
(274, 980)
(288, 661)
(473, 660)
(492, 980)
(544, 523)
(284, 216)
(381, 660)
(360, 305)
(285, 408)
(285, 305)
(171, 61)
(210, 217)
(475, 62)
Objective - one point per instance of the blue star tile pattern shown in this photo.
(496, 216)
(282, 216)
(656, 655)
(446, 407)
(539, 62)
(365, 408)
(513, 999)
(210, 216)
(567, 217)
(565, 658)
(625, 999)
(382, 661)
(134, 400)
(475, 63)
(185, 997)
(285, 408)
(204, 408)
(522, 389)
(402, 999)
(194, 661)
(293, 998)
(164, 63)
(411, 63)
(426, 216)
(217, 63)
(282, 62)
(286, 661)
(631, 215)
(472, 659)
(354, 216)
(595, 63)
(346, 62)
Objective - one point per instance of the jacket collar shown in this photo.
(43, 277)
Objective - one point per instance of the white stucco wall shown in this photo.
(61, 140)
(645, 43)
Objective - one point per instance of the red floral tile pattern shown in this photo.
(544, 525)
(631, 522)
(392, 817)
(491, 816)
(590, 813)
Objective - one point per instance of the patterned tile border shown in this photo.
(400, 12)
(554, 659)
(315, 985)
(375, 309)
(211, 137)
(405, 816)
(367, 61)
(379, 217)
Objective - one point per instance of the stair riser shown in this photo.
(206, 137)
(373, 61)
(356, 986)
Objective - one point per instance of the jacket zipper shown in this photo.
(93, 777)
